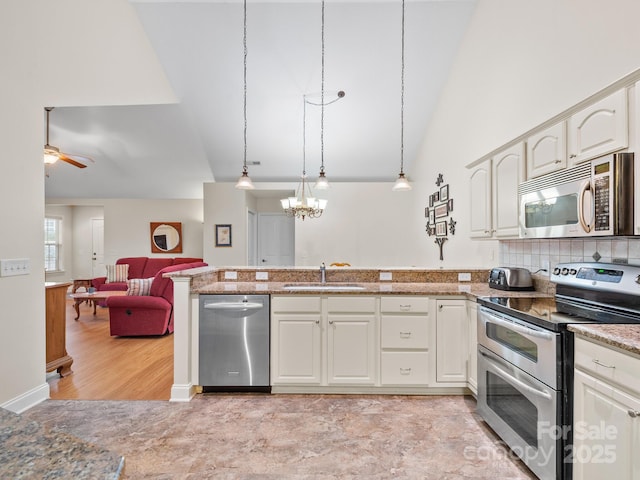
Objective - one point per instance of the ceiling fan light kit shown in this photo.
(52, 154)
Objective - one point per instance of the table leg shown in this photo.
(76, 305)
(95, 302)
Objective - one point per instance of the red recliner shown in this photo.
(133, 315)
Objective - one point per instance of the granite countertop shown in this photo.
(624, 337)
(469, 289)
(31, 450)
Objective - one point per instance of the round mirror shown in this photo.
(166, 237)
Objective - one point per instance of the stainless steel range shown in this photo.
(525, 358)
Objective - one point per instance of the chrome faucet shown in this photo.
(323, 273)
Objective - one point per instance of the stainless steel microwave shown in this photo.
(594, 198)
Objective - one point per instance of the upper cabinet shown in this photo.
(494, 194)
(598, 129)
(507, 172)
(547, 150)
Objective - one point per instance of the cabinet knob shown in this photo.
(317, 322)
(633, 413)
(330, 322)
(440, 307)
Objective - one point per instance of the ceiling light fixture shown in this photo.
(244, 182)
(402, 184)
(304, 204)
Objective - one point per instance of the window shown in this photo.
(52, 244)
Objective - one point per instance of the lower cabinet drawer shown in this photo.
(404, 368)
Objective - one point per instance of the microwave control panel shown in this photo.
(602, 202)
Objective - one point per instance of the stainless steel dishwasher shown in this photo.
(234, 343)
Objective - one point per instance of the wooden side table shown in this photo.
(56, 311)
(81, 282)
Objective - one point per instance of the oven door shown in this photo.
(533, 349)
(522, 411)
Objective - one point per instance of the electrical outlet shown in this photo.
(262, 275)
(386, 276)
(15, 266)
(230, 275)
(464, 277)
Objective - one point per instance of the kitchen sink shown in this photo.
(332, 287)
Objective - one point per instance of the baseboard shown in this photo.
(28, 399)
(183, 392)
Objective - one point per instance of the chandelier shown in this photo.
(402, 184)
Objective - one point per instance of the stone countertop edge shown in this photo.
(467, 289)
(625, 337)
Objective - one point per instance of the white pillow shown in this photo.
(117, 273)
(139, 286)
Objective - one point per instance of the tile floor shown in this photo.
(233, 436)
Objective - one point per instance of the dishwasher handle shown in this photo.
(234, 306)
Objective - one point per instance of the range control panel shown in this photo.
(599, 276)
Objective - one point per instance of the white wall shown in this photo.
(520, 63)
(78, 61)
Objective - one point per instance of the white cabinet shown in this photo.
(507, 172)
(452, 347)
(404, 341)
(606, 413)
(480, 207)
(296, 342)
(351, 340)
(323, 340)
(472, 329)
(547, 150)
(494, 194)
(600, 128)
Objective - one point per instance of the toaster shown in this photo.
(509, 278)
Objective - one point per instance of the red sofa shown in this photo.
(133, 315)
(140, 267)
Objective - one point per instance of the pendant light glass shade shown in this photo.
(322, 183)
(402, 184)
(244, 182)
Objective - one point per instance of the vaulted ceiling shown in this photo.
(169, 151)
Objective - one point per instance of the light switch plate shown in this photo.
(464, 277)
(230, 275)
(386, 276)
(10, 267)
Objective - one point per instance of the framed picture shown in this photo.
(441, 229)
(432, 216)
(441, 210)
(431, 200)
(426, 212)
(444, 193)
(436, 197)
(223, 235)
(450, 204)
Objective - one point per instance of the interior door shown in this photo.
(276, 239)
(97, 247)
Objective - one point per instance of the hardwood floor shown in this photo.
(112, 368)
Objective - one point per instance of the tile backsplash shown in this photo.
(546, 253)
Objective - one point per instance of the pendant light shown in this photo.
(402, 184)
(244, 182)
(322, 183)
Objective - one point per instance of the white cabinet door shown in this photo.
(472, 329)
(507, 173)
(296, 349)
(480, 208)
(351, 349)
(606, 431)
(451, 341)
(547, 151)
(600, 128)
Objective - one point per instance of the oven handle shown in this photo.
(519, 328)
(507, 376)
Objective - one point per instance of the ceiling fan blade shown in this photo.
(71, 161)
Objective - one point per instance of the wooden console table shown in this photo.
(56, 312)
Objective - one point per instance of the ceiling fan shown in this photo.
(53, 154)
